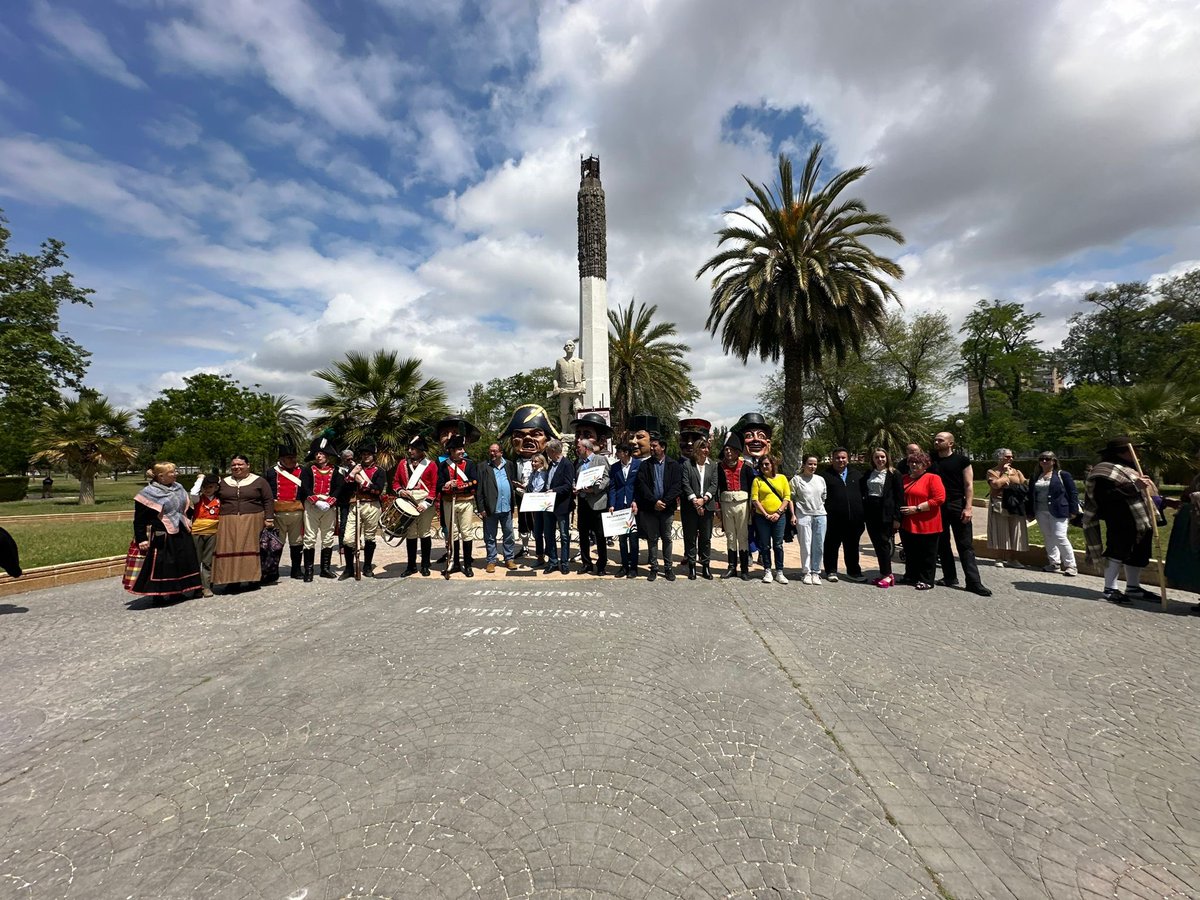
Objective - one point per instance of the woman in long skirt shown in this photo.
(162, 530)
(247, 506)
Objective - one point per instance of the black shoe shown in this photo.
(632, 573)
(425, 569)
(653, 576)
(1115, 596)
(1138, 593)
(979, 589)
(706, 572)
(669, 574)
(565, 569)
(586, 569)
(691, 571)
(601, 571)
(411, 569)
(942, 582)
(550, 567)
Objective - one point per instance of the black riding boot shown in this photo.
(466, 559)
(706, 571)
(369, 559)
(744, 559)
(309, 556)
(410, 547)
(732, 571)
(351, 557)
(426, 549)
(297, 566)
(691, 571)
(457, 566)
(327, 564)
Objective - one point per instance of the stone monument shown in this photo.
(570, 385)
(593, 289)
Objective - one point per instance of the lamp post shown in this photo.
(961, 426)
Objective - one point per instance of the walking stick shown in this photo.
(1162, 569)
(447, 530)
(358, 537)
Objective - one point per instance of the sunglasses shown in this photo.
(1046, 459)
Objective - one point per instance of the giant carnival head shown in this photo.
(528, 430)
(453, 427)
(690, 430)
(591, 425)
(755, 433)
(640, 430)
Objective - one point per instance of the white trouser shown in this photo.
(1059, 551)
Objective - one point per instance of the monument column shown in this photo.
(593, 286)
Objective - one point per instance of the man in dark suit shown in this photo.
(495, 500)
(844, 508)
(560, 481)
(592, 501)
(698, 508)
(620, 496)
(656, 495)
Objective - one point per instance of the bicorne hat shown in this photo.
(323, 442)
(530, 415)
(419, 443)
(287, 449)
(596, 420)
(464, 427)
(456, 442)
(752, 420)
(734, 440)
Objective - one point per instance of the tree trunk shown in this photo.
(793, 410)
(87, 488)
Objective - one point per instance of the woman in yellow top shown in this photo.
(771, 500)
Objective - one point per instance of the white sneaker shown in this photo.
(779, 577)
(999, 564)
(1070, 573)
(814, 578)
(767, 577)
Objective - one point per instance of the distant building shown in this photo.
(1044, 379)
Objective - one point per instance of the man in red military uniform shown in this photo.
(284, 480)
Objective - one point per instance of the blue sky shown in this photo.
(257, 186)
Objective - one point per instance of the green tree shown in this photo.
(799, 280)
(36, 359)
(1164, 417)
(1105, 346)
(378, 398)
(491, 405)
(85, 436)
(648, 372)
(290, 425)
(999, 351)
(207, 421)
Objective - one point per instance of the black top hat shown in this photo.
(752, 420)
(594, 419)
(695, 426)
(456, 442)
(645, 423)
(420, 443)
(464, 427)
(529, 415)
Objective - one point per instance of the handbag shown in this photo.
(1013, 499)
(270, 549)
(135, 558)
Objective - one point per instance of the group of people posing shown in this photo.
(340, 502)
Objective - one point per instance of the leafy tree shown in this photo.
(1165, 417)
(379, 398)
(999, 351)
(1105, 346)
(648, 371)
(291, 426)
(36, 359)
(799, 281)
(491, 405)
(85, 436)
(207, 421)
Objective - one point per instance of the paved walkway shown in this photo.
(520, 736)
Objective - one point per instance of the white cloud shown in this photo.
(83, 42)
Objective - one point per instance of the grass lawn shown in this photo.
(1075, 535)
(48, 544)
(111, 496)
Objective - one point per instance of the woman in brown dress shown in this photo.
(246, 507)
(1007, 533)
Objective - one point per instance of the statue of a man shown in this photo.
(569, 384)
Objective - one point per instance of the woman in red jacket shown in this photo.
(921, 521)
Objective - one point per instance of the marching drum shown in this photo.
(396, 519)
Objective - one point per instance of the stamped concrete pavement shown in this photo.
(533, 736)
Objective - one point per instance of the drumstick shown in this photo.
(1162, 569)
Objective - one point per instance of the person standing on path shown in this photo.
(735, 477)
(1052, 500)
(247, 506)
(920, 522)
(698, 508)
(958, 480)
(1007, 532)
(844, 509)
(656, 495)
(495, 501)
(882, 491)
(808, 503)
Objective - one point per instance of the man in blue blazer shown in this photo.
(620, 496)
(656, 493)
(560, 480)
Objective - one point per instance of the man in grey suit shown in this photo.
(593, 501)
(698, 509)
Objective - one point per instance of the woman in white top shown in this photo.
(808, 503)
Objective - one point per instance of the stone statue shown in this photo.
(569, 384)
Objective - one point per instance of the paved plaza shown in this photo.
(521, 736)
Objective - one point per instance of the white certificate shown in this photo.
(589, 477)
(618, 523)
(538, 501)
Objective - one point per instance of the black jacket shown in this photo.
(745, 482)
(444, 478)
(563, 486)
(892, 499)
(488, 493)
(643, 487)
(843, 502)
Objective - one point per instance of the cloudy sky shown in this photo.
(257, 186)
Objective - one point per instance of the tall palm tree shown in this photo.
(648, 372)
(85, 436)
(379, 398)
(291, 427)
(1164, 417)
(798, 281)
